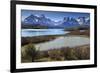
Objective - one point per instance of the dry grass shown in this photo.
(37, 39)
(77, 32)
(61, 54)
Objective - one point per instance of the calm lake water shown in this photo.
(41, 32)
(67, 41)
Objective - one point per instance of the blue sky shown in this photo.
(53, 15)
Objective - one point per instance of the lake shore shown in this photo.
(79, 32)
(40, 39)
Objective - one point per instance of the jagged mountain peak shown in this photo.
(65, 22)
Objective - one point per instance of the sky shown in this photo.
(53, 15)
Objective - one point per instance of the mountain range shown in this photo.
(66, 22)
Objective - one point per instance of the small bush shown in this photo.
(29, 52)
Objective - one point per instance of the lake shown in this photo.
(66, 41)
(41, 32)
(59, 42)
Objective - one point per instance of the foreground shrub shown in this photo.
(83, 52)
(56, 54)
(76, 53)
(29, 53)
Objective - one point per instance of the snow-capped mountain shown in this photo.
(69, 22)
(31, 20)
(83, 20)
(42, 20)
